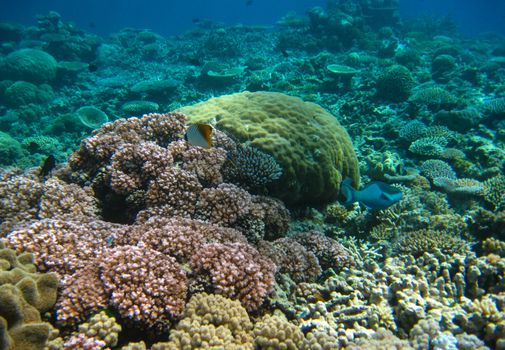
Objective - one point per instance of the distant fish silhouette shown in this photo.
(199, 135)
(248, 2)
(376, 195)
(195, 20)
(48, 166)
(92, 67)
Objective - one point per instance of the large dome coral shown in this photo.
(312, 147)
(31, 65)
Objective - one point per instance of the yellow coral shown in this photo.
(274, 332)
(102, 327)
(492, 245)
(211, 321)
(314, 150)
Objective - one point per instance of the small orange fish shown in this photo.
(199, 135)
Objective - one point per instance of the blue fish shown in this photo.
(376, 195)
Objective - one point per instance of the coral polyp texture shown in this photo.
(24, 295)
(313, 149)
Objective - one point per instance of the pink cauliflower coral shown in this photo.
(237, 271)
(144, 285)
(292, 258)
(223, 205)
(134, 165)
(96, 151)
(81, 295)
(64, 246)
(182, 238)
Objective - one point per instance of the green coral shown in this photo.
(10, 149)
(92, 117)
(434, 98)
(395, 84)
(22, 93)
(32, 65)
(433, 168)
(139, 107)
(313, 149)
(494, 191)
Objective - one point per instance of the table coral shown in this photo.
(428, 241)
(314, 151)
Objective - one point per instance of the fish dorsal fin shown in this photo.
(387, 196)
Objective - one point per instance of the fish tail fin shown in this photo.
(348, 192)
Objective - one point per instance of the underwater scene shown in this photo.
(308, 175)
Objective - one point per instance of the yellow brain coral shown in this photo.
(314, 150)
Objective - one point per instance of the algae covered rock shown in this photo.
(313, 149)
(34, 66)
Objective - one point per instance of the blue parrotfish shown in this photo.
(376, 195)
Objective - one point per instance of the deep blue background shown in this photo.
(172, 17)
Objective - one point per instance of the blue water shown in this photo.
(176, 17)
(163, 17)
(471, 16)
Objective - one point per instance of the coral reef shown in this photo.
(394, 84)
(313, 149)
(224, 264)
(31, 65)
(144, 241)
(251, 168)
(212, 321)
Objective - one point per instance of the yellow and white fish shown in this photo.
(199, 135)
